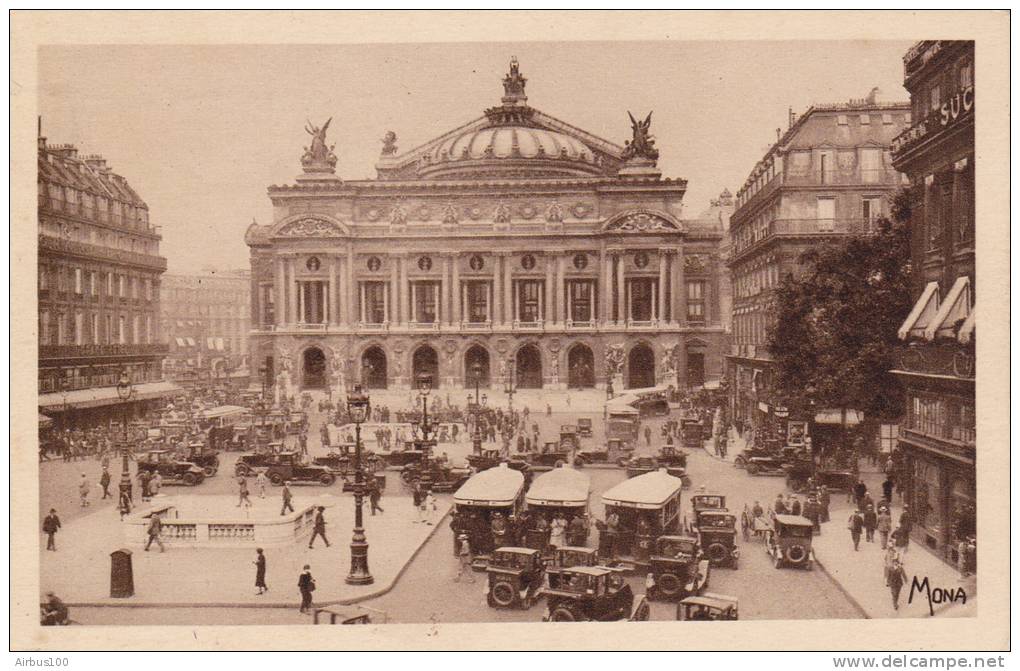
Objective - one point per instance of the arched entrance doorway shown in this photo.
(313, 369)
(580, 367)
(425, 360)
(641, 367)
(476, 356)
(373, 368)
(529, 368)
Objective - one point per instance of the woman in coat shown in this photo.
(260, 571)
(558, 531)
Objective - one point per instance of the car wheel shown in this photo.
(796, 553)
(503, 594)
(327, 479)
(560, 463)
(668, 585)
(241, 471)
(717, 553)
(189, 479)
(276, 478)
(209, 471)
(739, 462)
(579, 462)
(753, 469)
(562, 614)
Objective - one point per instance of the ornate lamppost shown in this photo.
(424, 388)
(125, 390)
(508, 387)
(475, 404)
(357, 408)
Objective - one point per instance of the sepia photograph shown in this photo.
(479, 332)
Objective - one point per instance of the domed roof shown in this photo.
(512, 142)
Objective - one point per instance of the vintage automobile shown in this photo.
(477, 502)
(569, 438)
(170, 468)
(568, 557)
(623, 423)
(678, 568)
(691, 435)
(286, 466)
(717, 533)
(701, 502)
(788, 540)
(614, 452)
(593, 594)
(492, 458)
(762, 463)
(561, 491)
(641, 465)
(516, 576)
(648, 506)
(584, 427)
(250, 463)
(707, 606)
(402, 458)
(672, 456)
(341, 460)
(202, 456)
(442, 477)
(555, 456)
(799, 472)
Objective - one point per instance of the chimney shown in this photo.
(96, 162)
(779, 132)
(791, 118)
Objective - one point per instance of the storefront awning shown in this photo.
(99, 396)
(952, 312)
(922, 313)
(830, 416)
(967, 330)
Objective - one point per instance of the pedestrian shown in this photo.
(154, 531)
(464, 555)
(260, 571)
(143, 479)
(891, 556)
(319, 527)
(557, 531)
(855, 524)
(306, 585)
(795, 507)
(54, 612)
(887, 488)
(242, 491)
(104, 482)
(430, 508)
(823, 502)
(286, 499)
(374, 495)
(418, 500)
(780, 505)
(155, 483)
(897, 576)
(648, 436)
(870, 522)
(859, 490)
(260, 482)
(811, 512)
(612, 530)
(83, 490)
(884, 526)
(50, 526)
(901, 539)
(123, 504)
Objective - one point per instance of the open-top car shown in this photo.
(763, 464)
(708, 606)
(788, 541)
(717, 532)
(170, 468)
(287, 466)
(202, 456)
(515, 577)
(678, 568)
(593, 593)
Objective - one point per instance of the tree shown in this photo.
(835, 331)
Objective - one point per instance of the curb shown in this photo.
(274, 604)
(843, 590)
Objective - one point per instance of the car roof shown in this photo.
(577, 548)
(717, 512)
(720, 601)
(794, 520)
(590, 570)
(654, 488)
(674, 539)
(499, 486)
(517, 550)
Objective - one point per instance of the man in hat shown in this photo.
(83, 490)
(50, 526)
(154, 531)
(104, 482)
(54, 612)
(306, 585)
(464, 555)
(286, 499)
(319, 528)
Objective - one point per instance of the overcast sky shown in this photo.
(200, 132)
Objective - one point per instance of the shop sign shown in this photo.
(958, 105)
(782, 411)
(764, 407)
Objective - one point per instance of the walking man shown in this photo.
(50, 526)
(260, 482)
(143, 478)
(823, 503)
(320, 527)
(884, 525)
(104, 482)
(855, 524)
(155, 529)
(870, 522)
(430, 508)
(260, 571)
(242, 499)
(464, 555)
(897, 576)
(417, 499)
(83, 490)
(374, 494)
(286, 499)
(155, 483)
(306, 585)
(648, 436)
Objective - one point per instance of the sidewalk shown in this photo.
(860, 574)
(734, 446)
(79, 572)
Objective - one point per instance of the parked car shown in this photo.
(708, 606)
(584, 427)
(593, 593)
(515, 577)
(443, 477)
(678, 567)
(251, 462)
(640, 465)
(614, 452)
(788, 541)
(568, 557)
(402, 457)
(672, 456)
(170, 468)
(205, 458)
(286, 466)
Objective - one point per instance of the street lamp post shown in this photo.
(424, 387)
(476, 408)
(508, 387)
(357, 408)
(125, 390)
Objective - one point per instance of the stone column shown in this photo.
(443, 308)
(404, 290)
(662, 287)
(331, 292)
(292, 300)
(393, 301)
(508, 289)
(549, 315)
(455, 304)
(561, 295)
(279, 294)
(351, 286)
(497, 290)
(680, 300)
(300, 300)
(605, 286)
(621, 291)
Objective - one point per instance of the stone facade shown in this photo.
(516, 241)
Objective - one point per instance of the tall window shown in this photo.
(871, 209)
(425, 298)
(825, 167)
(120, 286)
(108, 329)
(871, 166)
(92, 283)
(373, 307)
(133, 284)
(581, 300)
(642, 299)
(529, 300)
(44, 278)
(935, 98)
(109, 284)
(826, 213)
(122, 330)
(79, 328)
(94, 328)
(148, 329)
(44, 327)
(963, 204)
(267, 304)
(136, 330)
(696, 301)
(477, 302)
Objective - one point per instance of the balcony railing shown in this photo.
(836, 177)
(78, 351)
(63, 246)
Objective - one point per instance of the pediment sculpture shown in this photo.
(311, 227)
(641, 222)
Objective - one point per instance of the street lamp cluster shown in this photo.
(475, 405)
(125, 390)
(358, 409)
(425, 444)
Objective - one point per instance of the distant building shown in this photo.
(938, 437)
(828, 177)
(517, 245)
(99, 284)
(206, 317)
(718, 214)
